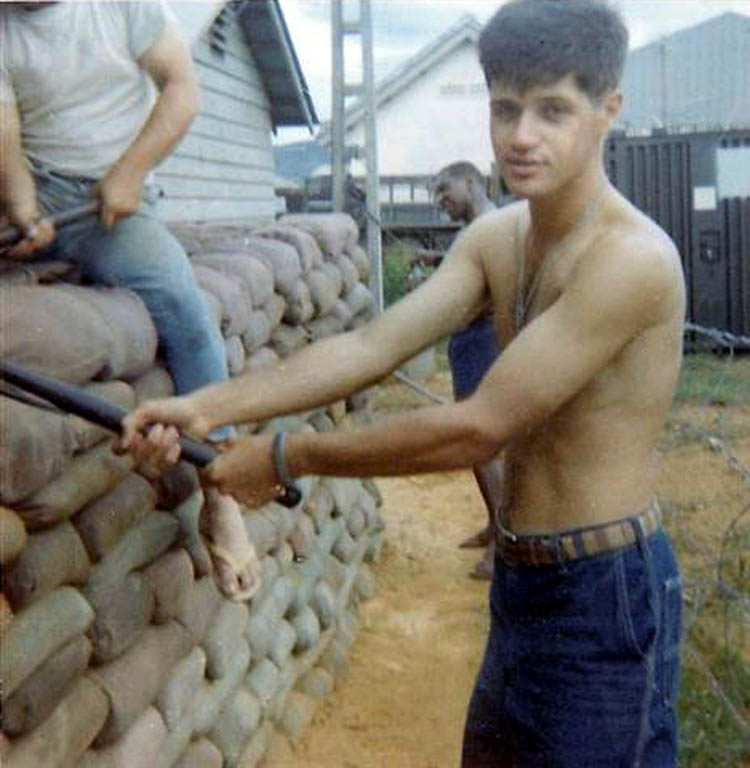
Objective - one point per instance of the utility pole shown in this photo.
(365, 90)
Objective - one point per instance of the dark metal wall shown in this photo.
(658, 174)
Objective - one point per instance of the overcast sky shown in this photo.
(402, 27)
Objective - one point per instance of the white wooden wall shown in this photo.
(223, 168)
(441, 118)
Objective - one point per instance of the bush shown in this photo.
(397, 261)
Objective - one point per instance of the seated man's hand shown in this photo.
(38, 233)
(120, 192)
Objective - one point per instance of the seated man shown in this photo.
(460, 190)
(78, 121)
(581, 664)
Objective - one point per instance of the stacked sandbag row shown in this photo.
(114, 651)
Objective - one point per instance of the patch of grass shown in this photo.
(709, 379)
(709, 735)
(397, 264)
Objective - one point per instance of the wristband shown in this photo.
(290, 494)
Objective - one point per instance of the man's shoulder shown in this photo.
(634, 261)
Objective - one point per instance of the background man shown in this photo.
(581, 663)
(78, 120)
(460, 190)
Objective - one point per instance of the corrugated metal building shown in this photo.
(251, 83)
(698, 77)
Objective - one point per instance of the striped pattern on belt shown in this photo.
(578, 543)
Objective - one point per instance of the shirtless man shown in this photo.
(581, 663)
(77, 122)
(459, 189)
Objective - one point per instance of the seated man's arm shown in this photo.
(169, 64)
(335, 366)
(17, 189)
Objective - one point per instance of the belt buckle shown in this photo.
(505, 533)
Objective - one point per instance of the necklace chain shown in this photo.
(525, 298)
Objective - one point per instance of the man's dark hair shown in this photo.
(538, 42)
(460, 170)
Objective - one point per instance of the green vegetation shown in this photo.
(396, 268)
(709, 379)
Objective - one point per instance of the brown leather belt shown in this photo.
(590, 541)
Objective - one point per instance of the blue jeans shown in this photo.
(471, 352)
(582, 664)
(139, 253)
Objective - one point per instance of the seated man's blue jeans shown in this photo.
(582, 663)
(139, 253)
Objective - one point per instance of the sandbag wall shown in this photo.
(114, 652)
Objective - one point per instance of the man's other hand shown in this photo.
(120, 192)
(245, 470)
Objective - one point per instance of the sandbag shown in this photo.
(38, 631)
(201, 605)
(34, 272)
(299, 306)
(343, 312)
(211, 696)
(359, 299)
(38, 695)
(148, 662)
(333, 273)
(139, 546)
(133, 335)
(235, 354)
(265, 357)
(348, 271)
(103, 522)
(223, 638)
(307, 248)
(201, 754)
(12, 535)
(123, 611)
(53, 332)
(87, 435)
(170, 577)
(240, 716)
(6, 614)
(235, 300)
(88, 476)
(322, 291)
(256, 278)
(282, 259)
(175, 699)
(324, 326)
(51, 558)
(153, 384)
(274, 309)
(35, 446)
(258, 332)
(137, 748)
(287, 339)
(64, 736)
(334, 232)
(298, 712)
(360, 260)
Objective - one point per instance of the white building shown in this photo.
(251, 83)
(431, 111)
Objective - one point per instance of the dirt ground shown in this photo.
(411, 670)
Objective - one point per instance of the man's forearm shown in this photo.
(17, 188)
(427, 440)
(317, 375)
(170, 118)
